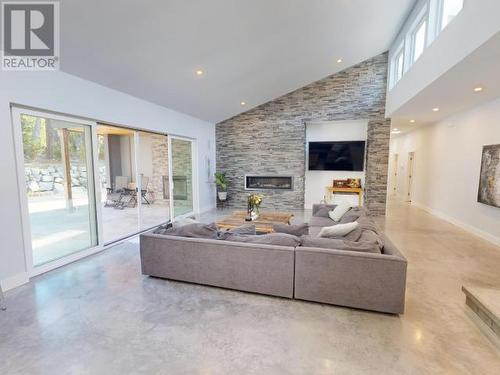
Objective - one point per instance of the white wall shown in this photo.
(317, 181)
(64, 93)
(447, 168)
(474, 25)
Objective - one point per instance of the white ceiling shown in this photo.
(453, 92)
(251, 51)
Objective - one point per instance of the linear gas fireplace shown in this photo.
(268, 182)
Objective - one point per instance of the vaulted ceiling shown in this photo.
(251, 51)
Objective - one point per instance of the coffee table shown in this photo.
(263, 224)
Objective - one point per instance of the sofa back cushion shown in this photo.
(338, 212)
(195, 230)
(322, 210)
(354, 214)
(278, 239)
(294, 229)
(339, 244)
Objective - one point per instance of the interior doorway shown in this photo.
(410, 177)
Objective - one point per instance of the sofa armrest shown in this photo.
(348, 278)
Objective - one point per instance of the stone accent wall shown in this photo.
(159, 150)
(270, 139)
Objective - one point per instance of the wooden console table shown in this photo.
(331, 190)
(263, 224)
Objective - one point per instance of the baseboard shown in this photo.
(467, 227)
(14, 281)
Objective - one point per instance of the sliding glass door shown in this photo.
(117, 171)
(181, 160)
(84, 185)
(58, 185)
(153, 189)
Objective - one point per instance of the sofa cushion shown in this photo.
(195, 230)
(322, 210)
(338, 230)
(294, 229)
(354, 214)
(320, 221)
(242, 229)
(338, 244)
(339, 211)
(279, 239)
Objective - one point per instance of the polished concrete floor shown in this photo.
(101, 316)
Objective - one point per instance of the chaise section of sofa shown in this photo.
(354, 279)
(265, 269)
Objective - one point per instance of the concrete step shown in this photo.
(483, 305)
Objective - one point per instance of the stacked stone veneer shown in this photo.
(159, 150)
(271, 138)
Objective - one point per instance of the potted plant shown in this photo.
(221, 182)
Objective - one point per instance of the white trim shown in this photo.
(467, 227)
(14, 281)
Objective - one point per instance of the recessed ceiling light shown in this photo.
(199, 72)
(395, 131)
(412, 121)
(478, 89)
(436, 109)
(339, 61)
(243, 103)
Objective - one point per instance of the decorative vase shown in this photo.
(222, 195)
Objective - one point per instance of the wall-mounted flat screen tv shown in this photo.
(337, 156)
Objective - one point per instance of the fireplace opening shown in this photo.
(268, 182)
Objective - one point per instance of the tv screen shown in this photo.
(337, 156)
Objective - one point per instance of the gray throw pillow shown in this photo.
(370, 236)
(248, 229)
(279, 239)
(322, 210)
(294, 229)
(196, 230)
(352, 215)
(338, 244)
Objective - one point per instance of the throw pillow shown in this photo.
(354, 214)
(195, 230)
(279, 239)
(294, 229)
(338, 230)
(337, 244)
(322, 210)
(339, 211)
(242, 229)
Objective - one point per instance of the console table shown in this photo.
(332, 190)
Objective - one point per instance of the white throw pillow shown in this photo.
(339, 211)
(338, 230)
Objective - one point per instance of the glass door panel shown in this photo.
(117, 178)
(59, 186)
(182, 176)
(153, 179)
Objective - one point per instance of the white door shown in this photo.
(395, 175)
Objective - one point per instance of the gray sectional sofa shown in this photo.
(371, 280)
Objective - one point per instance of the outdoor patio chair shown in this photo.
(114, 196)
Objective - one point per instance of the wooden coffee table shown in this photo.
(263, 224)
